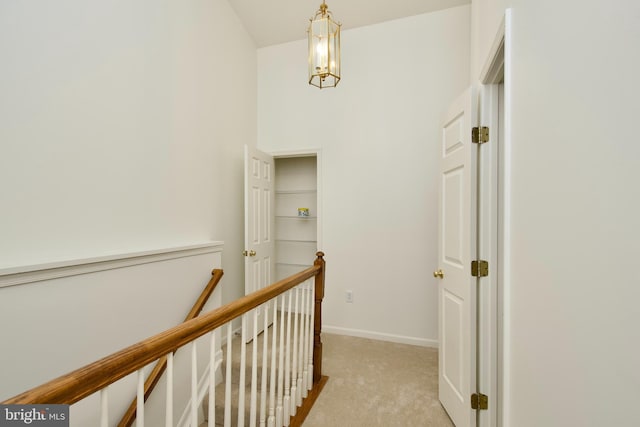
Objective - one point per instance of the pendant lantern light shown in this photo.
(324, 49)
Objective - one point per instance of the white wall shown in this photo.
(122, 127)
(575, 286)
(54, 326)
(378, 131)
(486, 16)
(119, 122)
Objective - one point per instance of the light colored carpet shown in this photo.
(371, 383)
(377, 383)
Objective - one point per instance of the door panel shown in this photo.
(259, 224)
(453, 308)
(456, 299)
(452, 194)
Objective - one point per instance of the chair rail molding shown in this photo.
(39, 272)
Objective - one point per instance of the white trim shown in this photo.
(380, 336)
(495, 72)
(295, 153)
(488, 229)
(34, 273)
(505, 226)
(494, 62)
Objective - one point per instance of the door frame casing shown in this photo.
(493, 227)
(487, 229)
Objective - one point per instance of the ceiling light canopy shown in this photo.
(324, 49)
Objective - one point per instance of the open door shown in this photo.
(258, 224)
(456, 305)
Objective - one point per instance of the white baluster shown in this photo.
(254, 371)
(169, 404)
(305, 337)
(302, 372)
(104, 407)
(243, 363)
(265, 364)
(287, 367)
(194, 384)
(312, 311)
(280, 406)
(211, 416)
(294, 354)
(140, 400)
(271, 422)
(227, 385)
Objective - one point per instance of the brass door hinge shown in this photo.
(480, 135)
(479, 268)
(479, 401)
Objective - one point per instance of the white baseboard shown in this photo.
(401, 339)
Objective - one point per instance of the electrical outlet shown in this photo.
(349, 296)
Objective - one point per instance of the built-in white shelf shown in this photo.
(296, 237)
(288, 264)
(296, 191)
(284, 269)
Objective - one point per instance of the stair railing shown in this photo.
(291, 389)
(161, 365)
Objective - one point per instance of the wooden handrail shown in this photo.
(216, 275)
(77, 385)
(161, 365)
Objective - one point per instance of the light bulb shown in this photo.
(321, 54)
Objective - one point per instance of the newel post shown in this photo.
(317, 324)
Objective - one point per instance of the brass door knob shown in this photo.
(438, 273)
(249, 253)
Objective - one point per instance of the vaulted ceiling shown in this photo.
(272, 22)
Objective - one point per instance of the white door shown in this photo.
(258, 224)
(456, 306)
